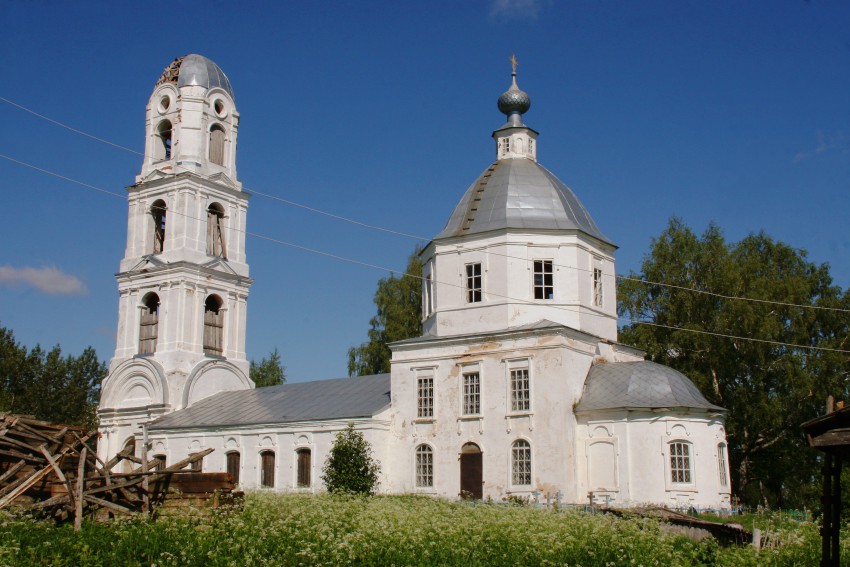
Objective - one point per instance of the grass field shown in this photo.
(299, 529)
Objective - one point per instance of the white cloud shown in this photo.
(48, 279)
(514, 9)
(825, 144)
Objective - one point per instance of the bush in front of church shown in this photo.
(350, 467)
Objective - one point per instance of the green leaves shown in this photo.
(399, 317)
(350, 467)
(769, 389)
(47, 385)
(269, 371)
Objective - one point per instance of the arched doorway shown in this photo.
(471, 472)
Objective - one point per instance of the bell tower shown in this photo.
(183, 282)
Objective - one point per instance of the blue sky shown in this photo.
(732, 112)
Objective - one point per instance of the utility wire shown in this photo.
(422, 238)
(422, 278)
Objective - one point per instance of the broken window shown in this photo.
(213, 326)
(158, 210)
(597, 287)
(544, 287)
(215, 231)
(217, 145)
(162, 146)
(149, 324)
(233, 465)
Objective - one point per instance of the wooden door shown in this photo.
(471, 472)
(267, 471)
(233, 466)
(304, 467)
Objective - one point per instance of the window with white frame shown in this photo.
(520, 390)
(425, 397)
(521, 463)
(471, 393)
(544, 287)
(597, 287)
(473, 283)
(721, 464)
(424, 466)
(680, 462)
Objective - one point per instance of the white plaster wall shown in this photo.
(643, 460)
(507, 269)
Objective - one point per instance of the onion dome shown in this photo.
(640, 385)
(196, 70)
(514, 101)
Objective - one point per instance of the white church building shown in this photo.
(517, 387)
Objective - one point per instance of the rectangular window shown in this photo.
(267, 469)
(428, 306)
(597, 287)
(544, 287)
(721, 464)
(425, 397)
(233, 466)
(473, 283)
(305, 466)
(520, 390)
(471, 393)
(680, 463)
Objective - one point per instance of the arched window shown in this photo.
(149, 324)
(213, 326)
(215, 231)
(680, 462)
(424, 467)
(267, 469)
(305, 466)
(162, 147)
(158, 210)
(233, 465)
(521, 463)
(217, 144)
(721, 464)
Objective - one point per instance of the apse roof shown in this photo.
(642, 384)
(519, 193)
(339, 398)
(196, 70)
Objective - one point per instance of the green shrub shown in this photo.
(350, 467)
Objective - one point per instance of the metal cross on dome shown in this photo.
(514, 62)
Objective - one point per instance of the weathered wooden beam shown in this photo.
(78, 511)
(24, 486)
(19, 455)
(108, 504)
(12, 470)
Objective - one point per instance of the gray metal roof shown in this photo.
(340, 398)
(642, 384)
(196, 70)
(519, 193)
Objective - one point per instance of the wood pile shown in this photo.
(55, 469)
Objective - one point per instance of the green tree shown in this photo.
(47, 385)
(399, 317)
(769, 388)
(350, 467)
(269, 371)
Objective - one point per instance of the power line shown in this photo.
(422, 278)
(422, 238)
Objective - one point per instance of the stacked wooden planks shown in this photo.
(55, 469)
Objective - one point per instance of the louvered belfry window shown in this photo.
(213, 326)
(217, 145)
(149, 324)
(158, 210)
